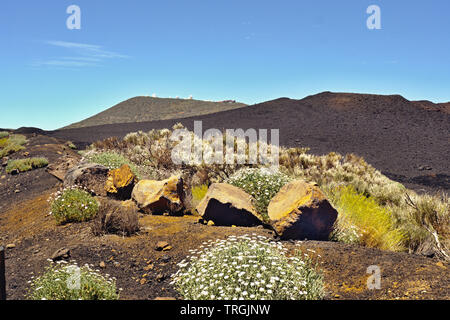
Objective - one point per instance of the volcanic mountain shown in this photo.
(406, 140)
(141, 109)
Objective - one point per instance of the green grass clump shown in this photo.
(12, 144)
(260, 183)
(62, 281)
(71, 145)
(250, 268)
(73, 205)
(112, 160)
(362, 220)
(4, 134)
(26, 164)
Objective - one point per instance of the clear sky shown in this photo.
(247, 50)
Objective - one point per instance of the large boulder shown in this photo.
(156, 197)
(300, 211)
(120, 182)
(88, 175)
(227, 205)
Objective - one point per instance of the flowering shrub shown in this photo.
(262, 184)
(63, 281)
(247, 267)
(73, 204)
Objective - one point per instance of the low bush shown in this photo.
(4, 134)
(261, 183)
(116, 217)
(71, 145)
(247, 267)
(73, 204)
(426, 219)
(362, 220)
(26, 164)
(12, 144)
(112, 160)
(62, 281)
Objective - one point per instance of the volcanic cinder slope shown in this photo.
(141, 109)
(397, 136)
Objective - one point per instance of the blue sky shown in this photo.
(251, 51)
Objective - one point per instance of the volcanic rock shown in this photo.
(227, 205)
(300, 211)
(88, 175)
(157, 197)
(120, 182)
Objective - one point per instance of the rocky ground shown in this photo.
(142, 272)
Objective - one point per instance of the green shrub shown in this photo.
(3, 142)
(14, 143)
(4, 134)
(247, 268)
(62, 281)
(26, 164)
(112, 160)
(262, 184)
(71, 145)
(73, 205)
(362, 220)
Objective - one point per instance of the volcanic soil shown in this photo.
(144, 273)
(406, 140)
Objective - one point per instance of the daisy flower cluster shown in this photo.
(73, 204)
(261, 183)
(68, 281)
(246, 268)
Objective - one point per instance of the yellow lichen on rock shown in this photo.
(300, 210)
(154, 196)
(119, 178)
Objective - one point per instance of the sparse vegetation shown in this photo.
(73, 204)
(112, 160)
(250, 268)
(260, 183)
(426, 219)
(4, 134)
(151, 153)
(12, 144)
(62, 281)
(139, 109)
(71, 145)
(24, 165)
